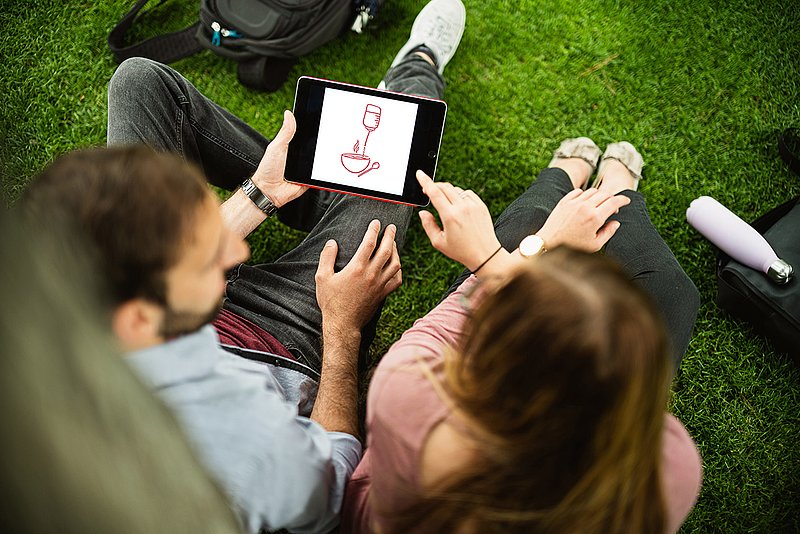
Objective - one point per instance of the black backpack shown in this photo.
(265, 37)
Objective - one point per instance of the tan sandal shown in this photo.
(578, 147)
(625, 153)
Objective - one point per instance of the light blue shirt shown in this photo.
(279, 469)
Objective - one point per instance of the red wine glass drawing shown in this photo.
(360, 163)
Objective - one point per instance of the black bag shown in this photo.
(265, 37)
(773, 310)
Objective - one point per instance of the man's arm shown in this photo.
(239, 212)
(336, 405)
(348, 300)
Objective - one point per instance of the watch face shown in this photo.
(531, 246)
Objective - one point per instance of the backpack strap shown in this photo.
(265, 73)
(163, 48)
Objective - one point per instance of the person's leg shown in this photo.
(151, 103)
(644, 255)
(415, 76)
(281, 296)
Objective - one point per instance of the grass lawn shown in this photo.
(701, 87)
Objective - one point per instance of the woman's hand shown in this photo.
(580, 220)
(467, 232)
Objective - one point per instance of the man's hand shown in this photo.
(348, 299)
(269, 174)
(240, 214)
(467, 233)
(580, 220)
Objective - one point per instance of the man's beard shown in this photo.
(178, 323)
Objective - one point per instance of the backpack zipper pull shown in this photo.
(362, 18)
(224, 32)
(215, 40)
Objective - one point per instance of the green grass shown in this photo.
(701, 87)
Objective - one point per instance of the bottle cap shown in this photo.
(780, 272)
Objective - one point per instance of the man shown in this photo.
(165, 247)
(83, 441)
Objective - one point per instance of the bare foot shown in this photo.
(615, 177)
(577, 169)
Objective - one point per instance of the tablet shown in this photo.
(364, 141)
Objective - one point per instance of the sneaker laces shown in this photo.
(441, 32)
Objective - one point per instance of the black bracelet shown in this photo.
(487, 259)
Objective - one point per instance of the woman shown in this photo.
(543, 410)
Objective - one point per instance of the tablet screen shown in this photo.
(364, 141)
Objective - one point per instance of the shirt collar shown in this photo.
(178, 360)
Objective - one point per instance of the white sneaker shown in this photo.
(439, 26)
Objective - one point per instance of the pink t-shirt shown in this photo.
(403, 407)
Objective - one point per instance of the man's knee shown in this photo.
(135, 77)
(140, 98)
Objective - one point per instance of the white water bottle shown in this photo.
(736, 238)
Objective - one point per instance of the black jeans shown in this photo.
(636, 245)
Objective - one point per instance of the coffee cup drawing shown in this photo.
(354, 162)
(359, 163)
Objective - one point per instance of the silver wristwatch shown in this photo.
(261, 200)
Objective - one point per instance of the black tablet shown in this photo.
(364, 141)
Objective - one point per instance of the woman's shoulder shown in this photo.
(682, 472)
(405, 396)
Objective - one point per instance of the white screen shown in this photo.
(341, 156)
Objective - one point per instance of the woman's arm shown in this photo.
(579, 220)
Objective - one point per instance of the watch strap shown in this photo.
(258, 197)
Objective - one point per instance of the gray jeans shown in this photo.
(151, 103)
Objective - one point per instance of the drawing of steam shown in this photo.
(360, 163)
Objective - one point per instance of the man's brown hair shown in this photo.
(135, 206)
